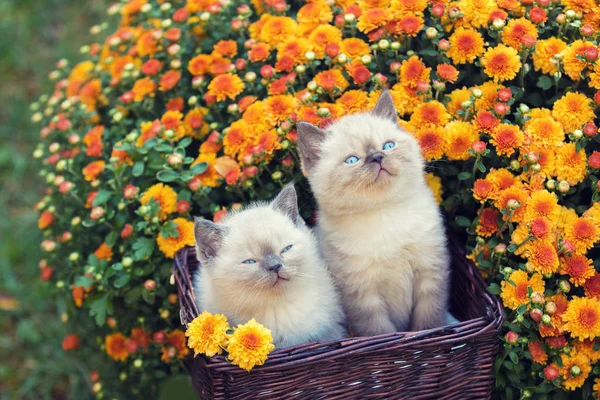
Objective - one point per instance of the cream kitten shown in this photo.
(380, 228)
(263, 263)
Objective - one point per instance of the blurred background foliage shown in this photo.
(34, 35)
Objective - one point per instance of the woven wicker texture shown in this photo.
(453, 362)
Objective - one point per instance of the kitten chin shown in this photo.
(263, 263)
(380, 228)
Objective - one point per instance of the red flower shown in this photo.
(46, 273)
(151, 67)
(183, 206)
(70, 342)
(594, 160)
(169, 80)
(127, 231)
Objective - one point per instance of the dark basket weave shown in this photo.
(452, 362)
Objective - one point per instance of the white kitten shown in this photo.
(263, 263)
(380, 228)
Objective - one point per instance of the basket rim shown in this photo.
(309, 352)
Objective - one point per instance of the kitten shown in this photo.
(263, 263)
(380, 228)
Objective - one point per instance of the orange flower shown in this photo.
(514, 31)
(142, 88)
(208, 178)
(557, 323)
(592, 286)
(226, 48)
(488, 99)
(516, 295)
(313, 14)
(194, 122)
(540, 228)
(573, 58)
(226, 86)
(354, 48)
(46, 219)
(583, 234)
(353, 101)
(103, 252)
(70, 342)
(406, 24)
(447, 72)
(413, 71)
(544, 131)
(578, 267)
(429, 115)
(169, 80)
(501, 63)
(582, 318)
(456, 98)
(465, 45)
(573, 110)
(322, 36)
(78, 294)
(459, 137)
(501, 178)
(140, 337)
(185, 237)
(488, 222)
(408, 6)
(277, 30)
(571, 165)
(515, 193)
(544, 52)
(171, 120)
(279, 108)
(372, 19)
(93, 169)
(477, 12)
(176, 341)
(331, 79)
(93, 141)
(115, 346)
(542, 204)
(538, 355)
(147, 44)
(579, 6)
(542, 257)
(259, 52)
(431, 141)
(506, 138)
(484, 190)
(485, 121)
(200, 64)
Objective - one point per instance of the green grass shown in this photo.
(34, 34)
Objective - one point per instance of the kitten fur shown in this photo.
(304, 308)
(380, 228)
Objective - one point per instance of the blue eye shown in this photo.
(249, 262)
(287, 248)
(351, 160)
(389, 145)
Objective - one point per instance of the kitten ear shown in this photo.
(287, 202)
(310, 139)
(209, 237)
(385, 107)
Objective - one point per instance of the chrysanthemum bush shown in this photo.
(189, 108)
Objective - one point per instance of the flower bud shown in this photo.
(438, 9)
(551, 308)
(563, 186)
(466, 104)
(250, 76)
(384, 44)
(310, 55)
(431, 33)
(550, 184)
(501, 109)
(96, 213)
(138, 363)
(150, 284)
(590, 129)
(500, 248)
(536, 315)
(575, 370)
(498, 24)
(512, 337)
(478, 147)
(561, 18)
(586, 30)
(130, 191)
(551, 372)
(127, 262)
(267, 71)
(395, 45)
(513, 204)
(174, 159)
(366, 59)
(564, 286)
(443, 44)
(312, 86)
(537, 298)
(508, 270)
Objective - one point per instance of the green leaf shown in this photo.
(99, 309)
(494, 289)
(463, 221)
(101, 198)
(121, 281)
(463, 176)
(199, 168)
(167, 175)
(544, 82)
(138, 168)
(480, 166)
(84, 281)
(428, 53)
(163, 148)
(111, 239)
(143, 248)
(521, 309)
(169, 230)
(185, 142)
(511, 248)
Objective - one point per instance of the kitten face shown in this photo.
(361, 160)
(261, 249)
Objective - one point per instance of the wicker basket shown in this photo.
(453, 362)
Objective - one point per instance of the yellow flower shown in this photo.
(353, 101)
(354, 48)
(279, 108)
(573, 110)
(409, 6)
(579, 6)
(542, 204)
(465, 45)
(582, 318)
(457, 97)
(586, 347)
(573, 58)
(595, 75)
(477, 12)
(435, 184)
(488, 99)
(372, 19)
(277, 30)
(431, 141)
(578, 267)
(210, 177)
(544, 131)
(566, 217)
(572, 382)
(571, 165)
(250, 345)
(413, 71)
(207, 334)
(164, 195)
(185, 237)
(506, 138)
(544, 51)
(430, 115)
(459, 137)
(596, 388)
(514, 296)
(312, 15)
(226, 86)
(322, 36)
(501, 63)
